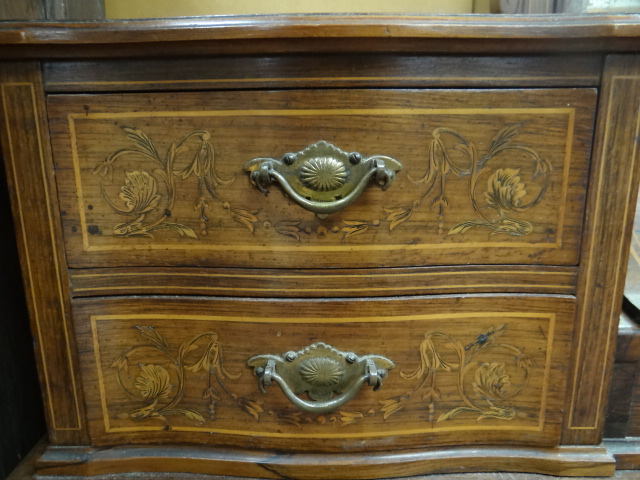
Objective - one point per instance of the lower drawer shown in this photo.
(464, 370)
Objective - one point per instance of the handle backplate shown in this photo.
(328, 376)
(322, 178)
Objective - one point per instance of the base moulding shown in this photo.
(151, 460)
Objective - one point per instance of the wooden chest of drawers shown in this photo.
(270, 248)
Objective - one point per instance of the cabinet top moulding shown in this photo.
(322, 33)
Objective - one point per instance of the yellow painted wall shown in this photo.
(121, 9)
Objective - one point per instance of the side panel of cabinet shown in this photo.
(27, 155)
(609, 221)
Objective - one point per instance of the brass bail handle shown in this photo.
(329, 377)
(323, 178)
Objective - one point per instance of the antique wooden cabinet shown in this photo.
(323, 247)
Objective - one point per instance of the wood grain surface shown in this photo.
(351, 26)
(155, 267)
(587, 459)
(36, 214)
(532, 144)
(575, 461)
(320, 283)
(480, 34)
(322, 71)
(451, 355)
(609, 223)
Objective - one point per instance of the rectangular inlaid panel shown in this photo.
(484, 177)
(483, 370)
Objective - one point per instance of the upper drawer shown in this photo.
(481, 177)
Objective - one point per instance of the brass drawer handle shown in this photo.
(322, 178)
(330, 377)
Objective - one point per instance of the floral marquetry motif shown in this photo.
(151, 210)
(260, 246)
(162, 386)
(139, 193)
(506, 193)
(189, 179)
(153, 382)
(489, 375)
(210, 370)
(494, 386)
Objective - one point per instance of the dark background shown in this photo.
(21, 417)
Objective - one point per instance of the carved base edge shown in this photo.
(626, 451)
(142, 462)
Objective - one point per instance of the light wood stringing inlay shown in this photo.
(570, 112)
(138, 318)
(4, 88)
(621, 258)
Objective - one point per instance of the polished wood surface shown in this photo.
(585, 459)
(171, 461)
(448, 361)
(346, 26)
(308, 33)
(321, 71)
(511, 216)
(535, 142)
(312, 283)
(36, 215)
(609, 223)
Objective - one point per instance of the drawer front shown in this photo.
(467, 177)
(473, 370)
